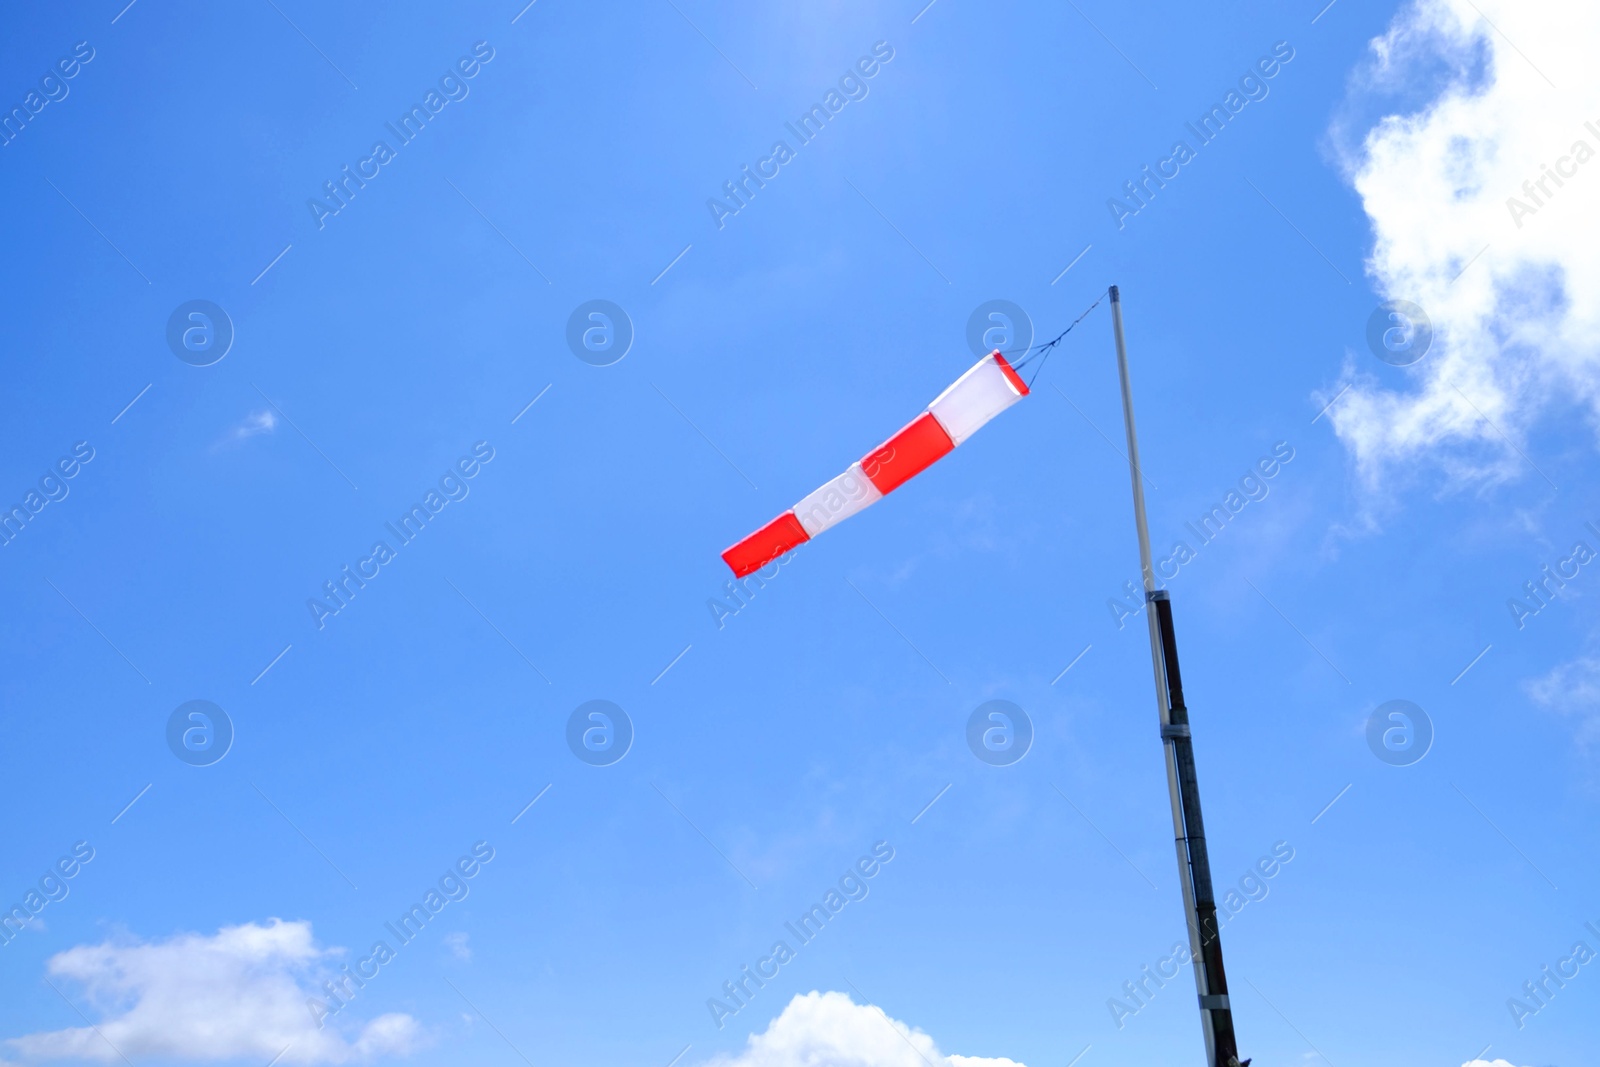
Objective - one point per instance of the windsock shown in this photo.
(983, 392)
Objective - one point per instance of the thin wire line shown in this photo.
(899, 231)
(714, 47)
(931, 803)
(1103, 837)
(132, 402)
(888, 1022)
(1299, 631)
(1512, 43)
(1332, 402)
(1285, 1018)
(303, 436)
(1503, 836)
(1474, 663)
(669, 666)
(85, 1018)
(99, 631)
(498, 230)
(274, 263)
(99, 231)
(130, 804)
(674, 263)
(304, 838)
(1033, 351)
(1298, 230)
(1046, 348)
(488, 1020)
(1503, 437)
(899, 631)
(497, 630)
(1069, 266)
(1113, 45)
(532, 802)
(704, 838)
(271, 665)
(1330, 804)
(1140, 469)
(1470, 262)
(702, 434)
(314, 45)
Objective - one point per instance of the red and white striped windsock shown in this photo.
(986, 390)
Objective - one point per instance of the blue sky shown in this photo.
(380, 352)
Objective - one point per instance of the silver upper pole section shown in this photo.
(1163, 710)
(1134, 469)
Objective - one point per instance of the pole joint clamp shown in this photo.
(1214, 1002)
(1172, 730)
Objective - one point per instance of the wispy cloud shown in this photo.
(820, 1028)
(254, 425)
(1573, 689)
(457, 944)
(1513, 294)
(240, 994)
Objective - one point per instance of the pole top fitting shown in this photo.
(1116, 298)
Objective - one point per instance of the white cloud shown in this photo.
(831, 1029)
(1517, 334)
(1573, 688)
(240, 993)
(1488, 1063)
(254, 424)
(457, 944)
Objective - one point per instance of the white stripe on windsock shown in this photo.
(836, 501)
(984, 391)
(975, 398)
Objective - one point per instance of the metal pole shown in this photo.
(1194, 868)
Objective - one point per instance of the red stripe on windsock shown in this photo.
(906, 454)
(766, 544)
(1011, 376)
(989, 387)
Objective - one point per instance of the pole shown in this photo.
(1183, 787)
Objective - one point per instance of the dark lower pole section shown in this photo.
(1214, 1000)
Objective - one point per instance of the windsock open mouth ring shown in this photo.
(983, 392)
